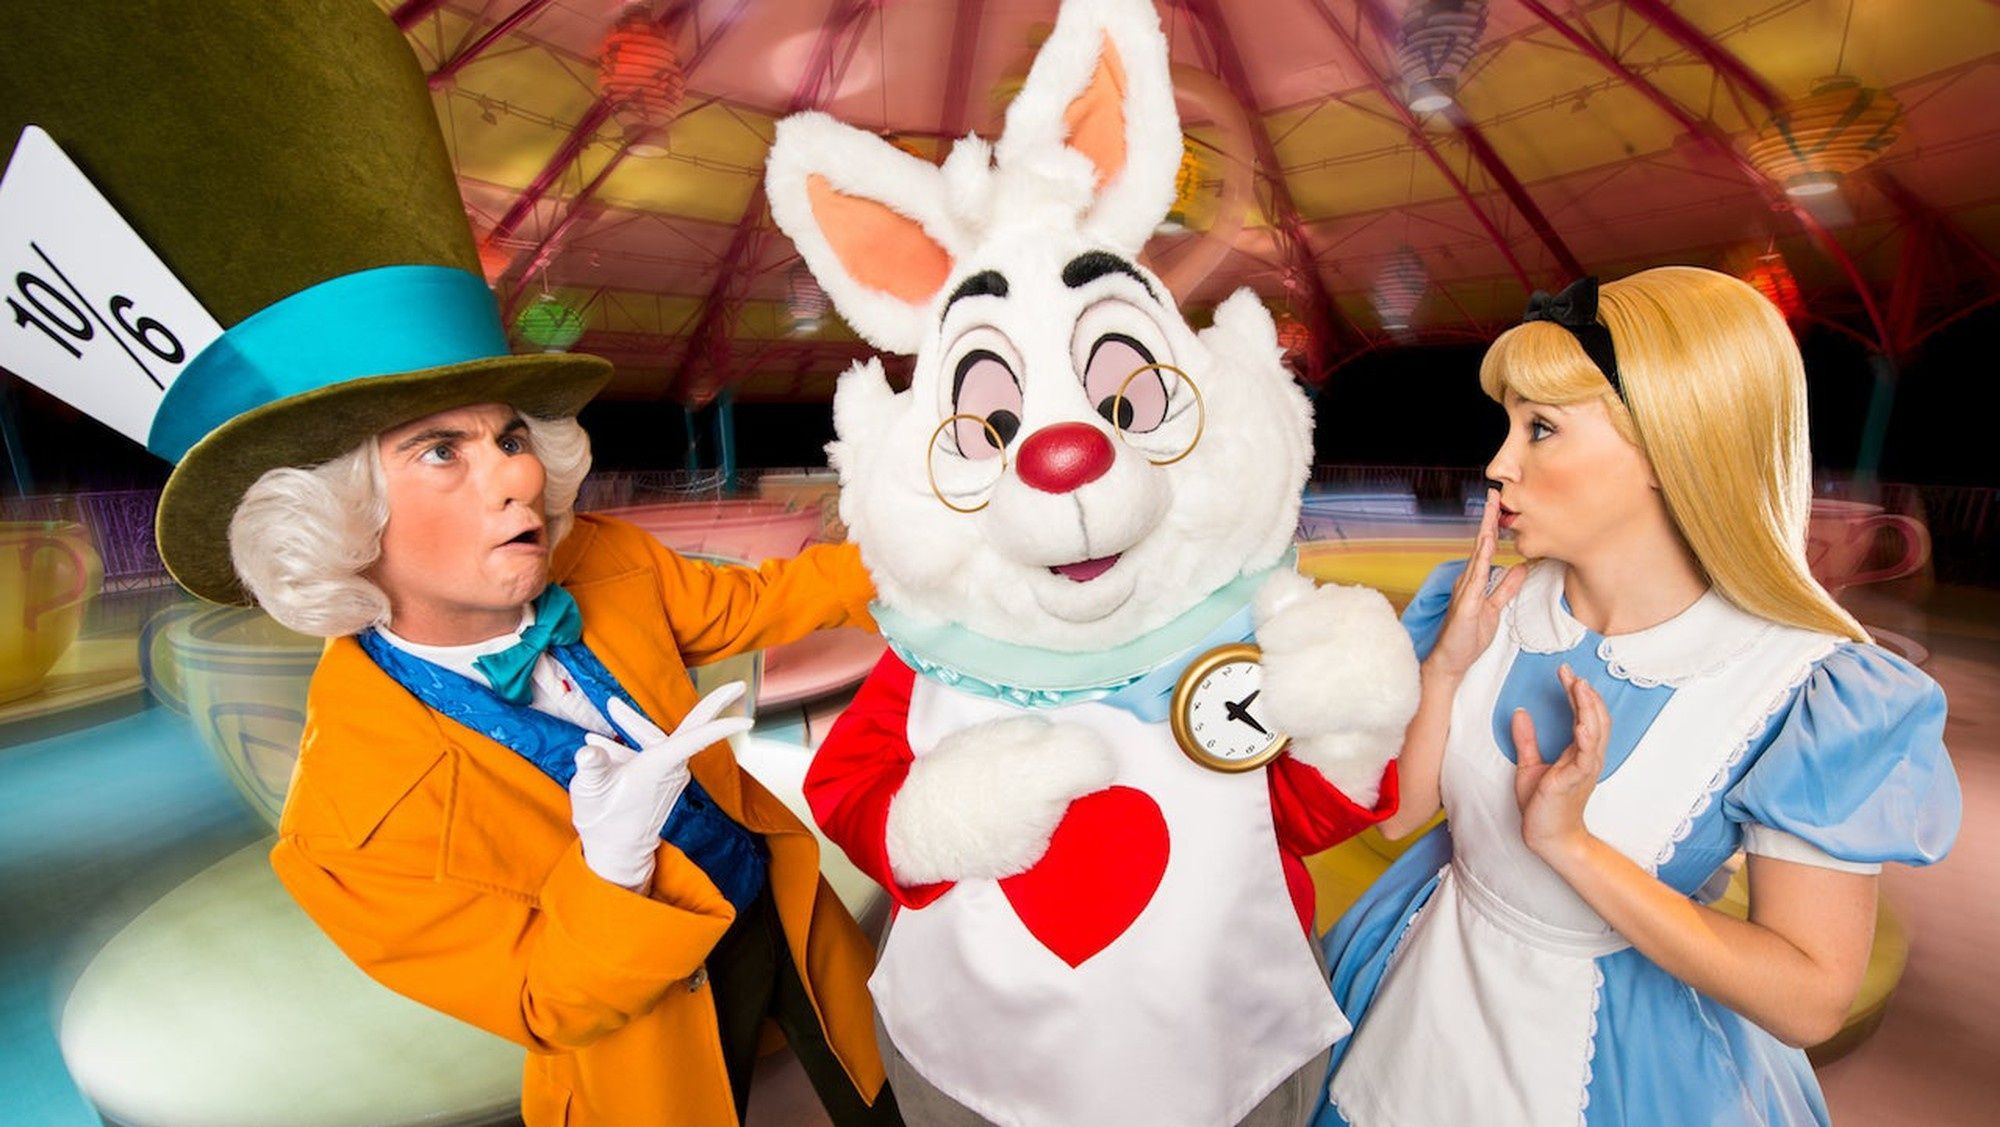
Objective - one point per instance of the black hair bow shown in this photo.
(1575, 309)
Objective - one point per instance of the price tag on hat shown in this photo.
(88, 313)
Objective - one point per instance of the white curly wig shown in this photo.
(302, 539)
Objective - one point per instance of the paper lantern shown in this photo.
(1840, 128)
(1772, 277)
(805, 301)
(639, 72)
(1400, 288)
(1293, 336)
(1188, 203)
(493, 260)
(1439, 38)
(549, 325)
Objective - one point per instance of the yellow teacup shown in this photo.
(49, 572)
(241, 678)
(1395, 566)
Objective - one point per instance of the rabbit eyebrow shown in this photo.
(1089, 266)
(986, 283)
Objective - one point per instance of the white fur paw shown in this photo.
(985, 801)
(1337, 667)
(1351, 761)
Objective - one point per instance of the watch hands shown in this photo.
(1240, 710)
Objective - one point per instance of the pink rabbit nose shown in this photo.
(1059, 458)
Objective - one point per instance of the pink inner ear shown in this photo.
(1096, 119)
(880, 247)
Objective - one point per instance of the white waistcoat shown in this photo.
(1207, 1000)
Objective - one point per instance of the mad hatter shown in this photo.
(509, 804)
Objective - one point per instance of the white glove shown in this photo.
(620, 797)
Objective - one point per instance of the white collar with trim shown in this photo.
(1697, 642)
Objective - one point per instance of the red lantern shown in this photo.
(639, 72)
(494, 260)
(1773, 278)
(1293, 336)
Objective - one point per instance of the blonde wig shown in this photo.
(1715, 397)
(302, 540)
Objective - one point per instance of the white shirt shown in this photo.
(556, 691)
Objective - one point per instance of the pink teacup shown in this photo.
(1841, 534)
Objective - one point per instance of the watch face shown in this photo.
(1219, 719)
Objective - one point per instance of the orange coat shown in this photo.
(444, 864)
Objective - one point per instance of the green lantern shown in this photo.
(549, 325)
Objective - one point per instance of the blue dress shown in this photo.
(1850, 772)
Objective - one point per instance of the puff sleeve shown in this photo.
(1856, 772)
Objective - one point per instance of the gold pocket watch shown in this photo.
(1217, 716)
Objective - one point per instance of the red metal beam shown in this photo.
(709, 342)
(958, 73)
(585, 131)
(1678, 29)
(578, 205)
(1320, 316)
(545, 250)
(1914, 205)
(410, 11)
(1707, 133)
(1475, 140)
(1416, 133)
(493, 35)
(580, 135)
(1517, 193)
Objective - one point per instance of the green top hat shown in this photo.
(283, 159)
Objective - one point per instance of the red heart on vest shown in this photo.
(1104, 863)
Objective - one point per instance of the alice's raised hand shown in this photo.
(1474, 616)
(1552, 796)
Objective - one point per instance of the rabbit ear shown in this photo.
(1100, 86)
(870, 222)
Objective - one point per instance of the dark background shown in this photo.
(1407, 406)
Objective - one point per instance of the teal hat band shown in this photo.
(372, 323)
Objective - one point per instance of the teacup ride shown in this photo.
(50, 573)
(736, 529)
(1334, 512)
(1845, 547)
(241, 680)
(807, 489)
(1394, 555)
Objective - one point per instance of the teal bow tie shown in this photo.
(511, 671)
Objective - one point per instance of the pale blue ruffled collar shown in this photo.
(1032, 677)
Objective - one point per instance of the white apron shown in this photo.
(1197, 1009)
(1487, 1012)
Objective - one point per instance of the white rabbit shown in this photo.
(1093, 928)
